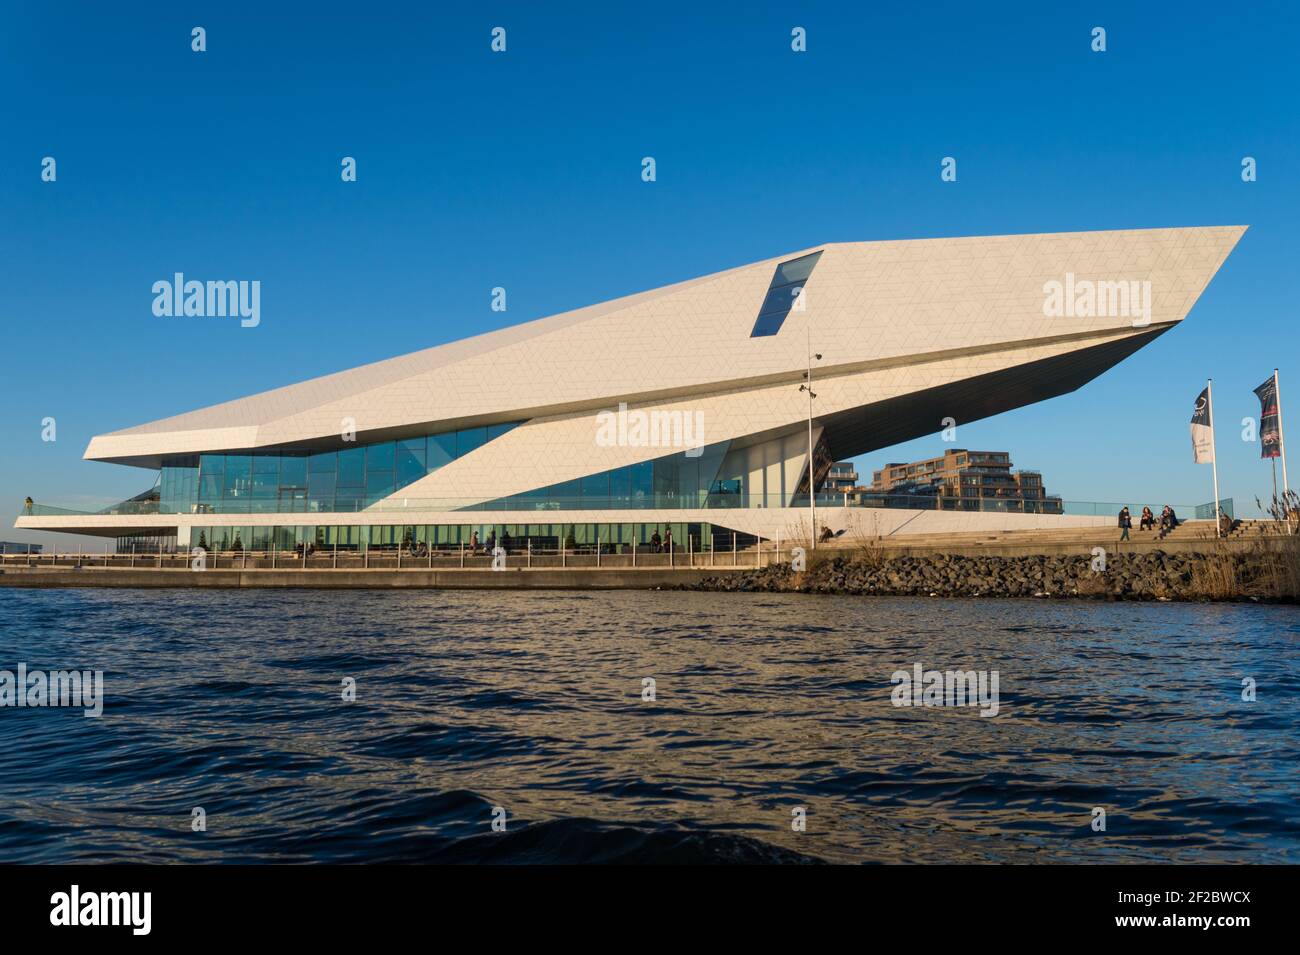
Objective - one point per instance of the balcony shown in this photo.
(130, 508)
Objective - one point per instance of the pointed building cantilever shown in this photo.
(503, 428)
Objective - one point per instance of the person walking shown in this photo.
(1125, 523)
(473, 543)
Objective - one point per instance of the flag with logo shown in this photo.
(1202, 430)
(1270, 435)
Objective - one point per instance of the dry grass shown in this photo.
(796, 535)
(863, 533)
(1217, 576)
(1285, 510)
(1264, 572)
(1279, 570)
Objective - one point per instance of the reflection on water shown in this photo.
(532, 701)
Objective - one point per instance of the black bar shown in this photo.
(946, 905)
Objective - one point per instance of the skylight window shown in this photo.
(785, 290)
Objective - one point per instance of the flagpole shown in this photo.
(1281, 439)
(1214, 455)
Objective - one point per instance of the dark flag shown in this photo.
(1270, 436)
(1202, 430)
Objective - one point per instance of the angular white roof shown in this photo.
(870, 306)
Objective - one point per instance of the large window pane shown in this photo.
(292, 499)
(776, 307)
(379, 484)
(781, 295)
(379, 457)
(410, 461)
(320, 491)
(210, 489)
(643, 483)
(595, 490)
(442, 450)
(179, 488)
(666, 479)
(321, 463)
(768, 325)
(266, 487)
(796, 270)
(469, 439)
(567, 494)
(352, 467)
(293, 471)
(238, 477)
(349, 499)
(780, 299)
(620, 486)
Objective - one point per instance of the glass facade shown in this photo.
(675, 480)
(178, 485)
(785, 290)
(612, 538)
(291, 482)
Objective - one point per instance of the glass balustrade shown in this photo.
(651, 501)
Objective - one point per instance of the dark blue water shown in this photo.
(230, 700)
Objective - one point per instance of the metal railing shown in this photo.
(531, 505)
(719, 550)
(124, 507)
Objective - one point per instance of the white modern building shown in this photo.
(680, 407)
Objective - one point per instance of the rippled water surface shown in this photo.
(230, 700)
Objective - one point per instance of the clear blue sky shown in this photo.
(523, 170)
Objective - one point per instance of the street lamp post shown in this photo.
(807, 386)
